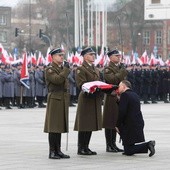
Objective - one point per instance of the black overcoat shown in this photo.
(130, 119)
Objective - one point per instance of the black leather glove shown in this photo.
(90, 95)
(66, 64)
(115, 87)
(109, 91)
(98, 90)
(121, 65)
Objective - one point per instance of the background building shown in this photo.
(125, 25)
(5, 26)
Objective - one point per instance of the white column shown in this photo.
(103, 27)
(91, 28)
(96, 27)
(99, 28)
(76, 26)
(83, 34)
(88, 23)
(80, 23)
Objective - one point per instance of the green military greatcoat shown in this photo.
(89, 116)
(112, 75)
(56, 120)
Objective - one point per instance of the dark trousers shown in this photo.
(40, 100)
(17, 100)
(136, 148)
(7, 101)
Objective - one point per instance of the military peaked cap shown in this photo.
(87, 50)
(56, 51)
(113, 52)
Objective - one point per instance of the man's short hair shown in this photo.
(127, 83)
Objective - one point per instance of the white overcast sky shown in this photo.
(9, 3)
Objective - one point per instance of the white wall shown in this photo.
(157, 11)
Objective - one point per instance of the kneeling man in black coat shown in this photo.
(130, 122)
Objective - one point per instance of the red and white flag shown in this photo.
(48, 58)
(24, 79)
(90, 87)
(144, 58)
(33, 59)
(167, 62)
(153, 60)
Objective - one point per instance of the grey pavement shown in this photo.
(24, 146)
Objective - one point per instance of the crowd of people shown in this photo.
(151, 83)
(59, 84)
(13, 93)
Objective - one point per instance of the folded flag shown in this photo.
(91, 87)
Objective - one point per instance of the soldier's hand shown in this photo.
(115, 87)
(121, 65)
(98, 90)
(66, 64)
(109, 91)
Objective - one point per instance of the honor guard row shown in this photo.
(89, 111)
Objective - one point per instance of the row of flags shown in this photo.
(75, 58)
(8, 59)
(102, 60)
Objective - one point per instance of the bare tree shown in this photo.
(55, 18)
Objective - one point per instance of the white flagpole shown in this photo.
(99, 29)
(103, 41)
(91, 34)
(80, 23)
(96, 31)
(106, 25)
(76, 33)
(83, 34)
(88, 24)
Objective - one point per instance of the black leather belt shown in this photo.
(64, 90)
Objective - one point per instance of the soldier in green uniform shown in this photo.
(89, 116)
(56, 121)
(114, 73)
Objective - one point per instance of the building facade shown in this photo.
(5, 26)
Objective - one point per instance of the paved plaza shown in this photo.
(24, 146)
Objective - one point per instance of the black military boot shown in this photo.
(51, 138)
(61, 154)
(7, 103)
(81, 144)
(108, 136)
(87, 141)
(113, 136)
(52, 154)
(165, 98)
(58, 147)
